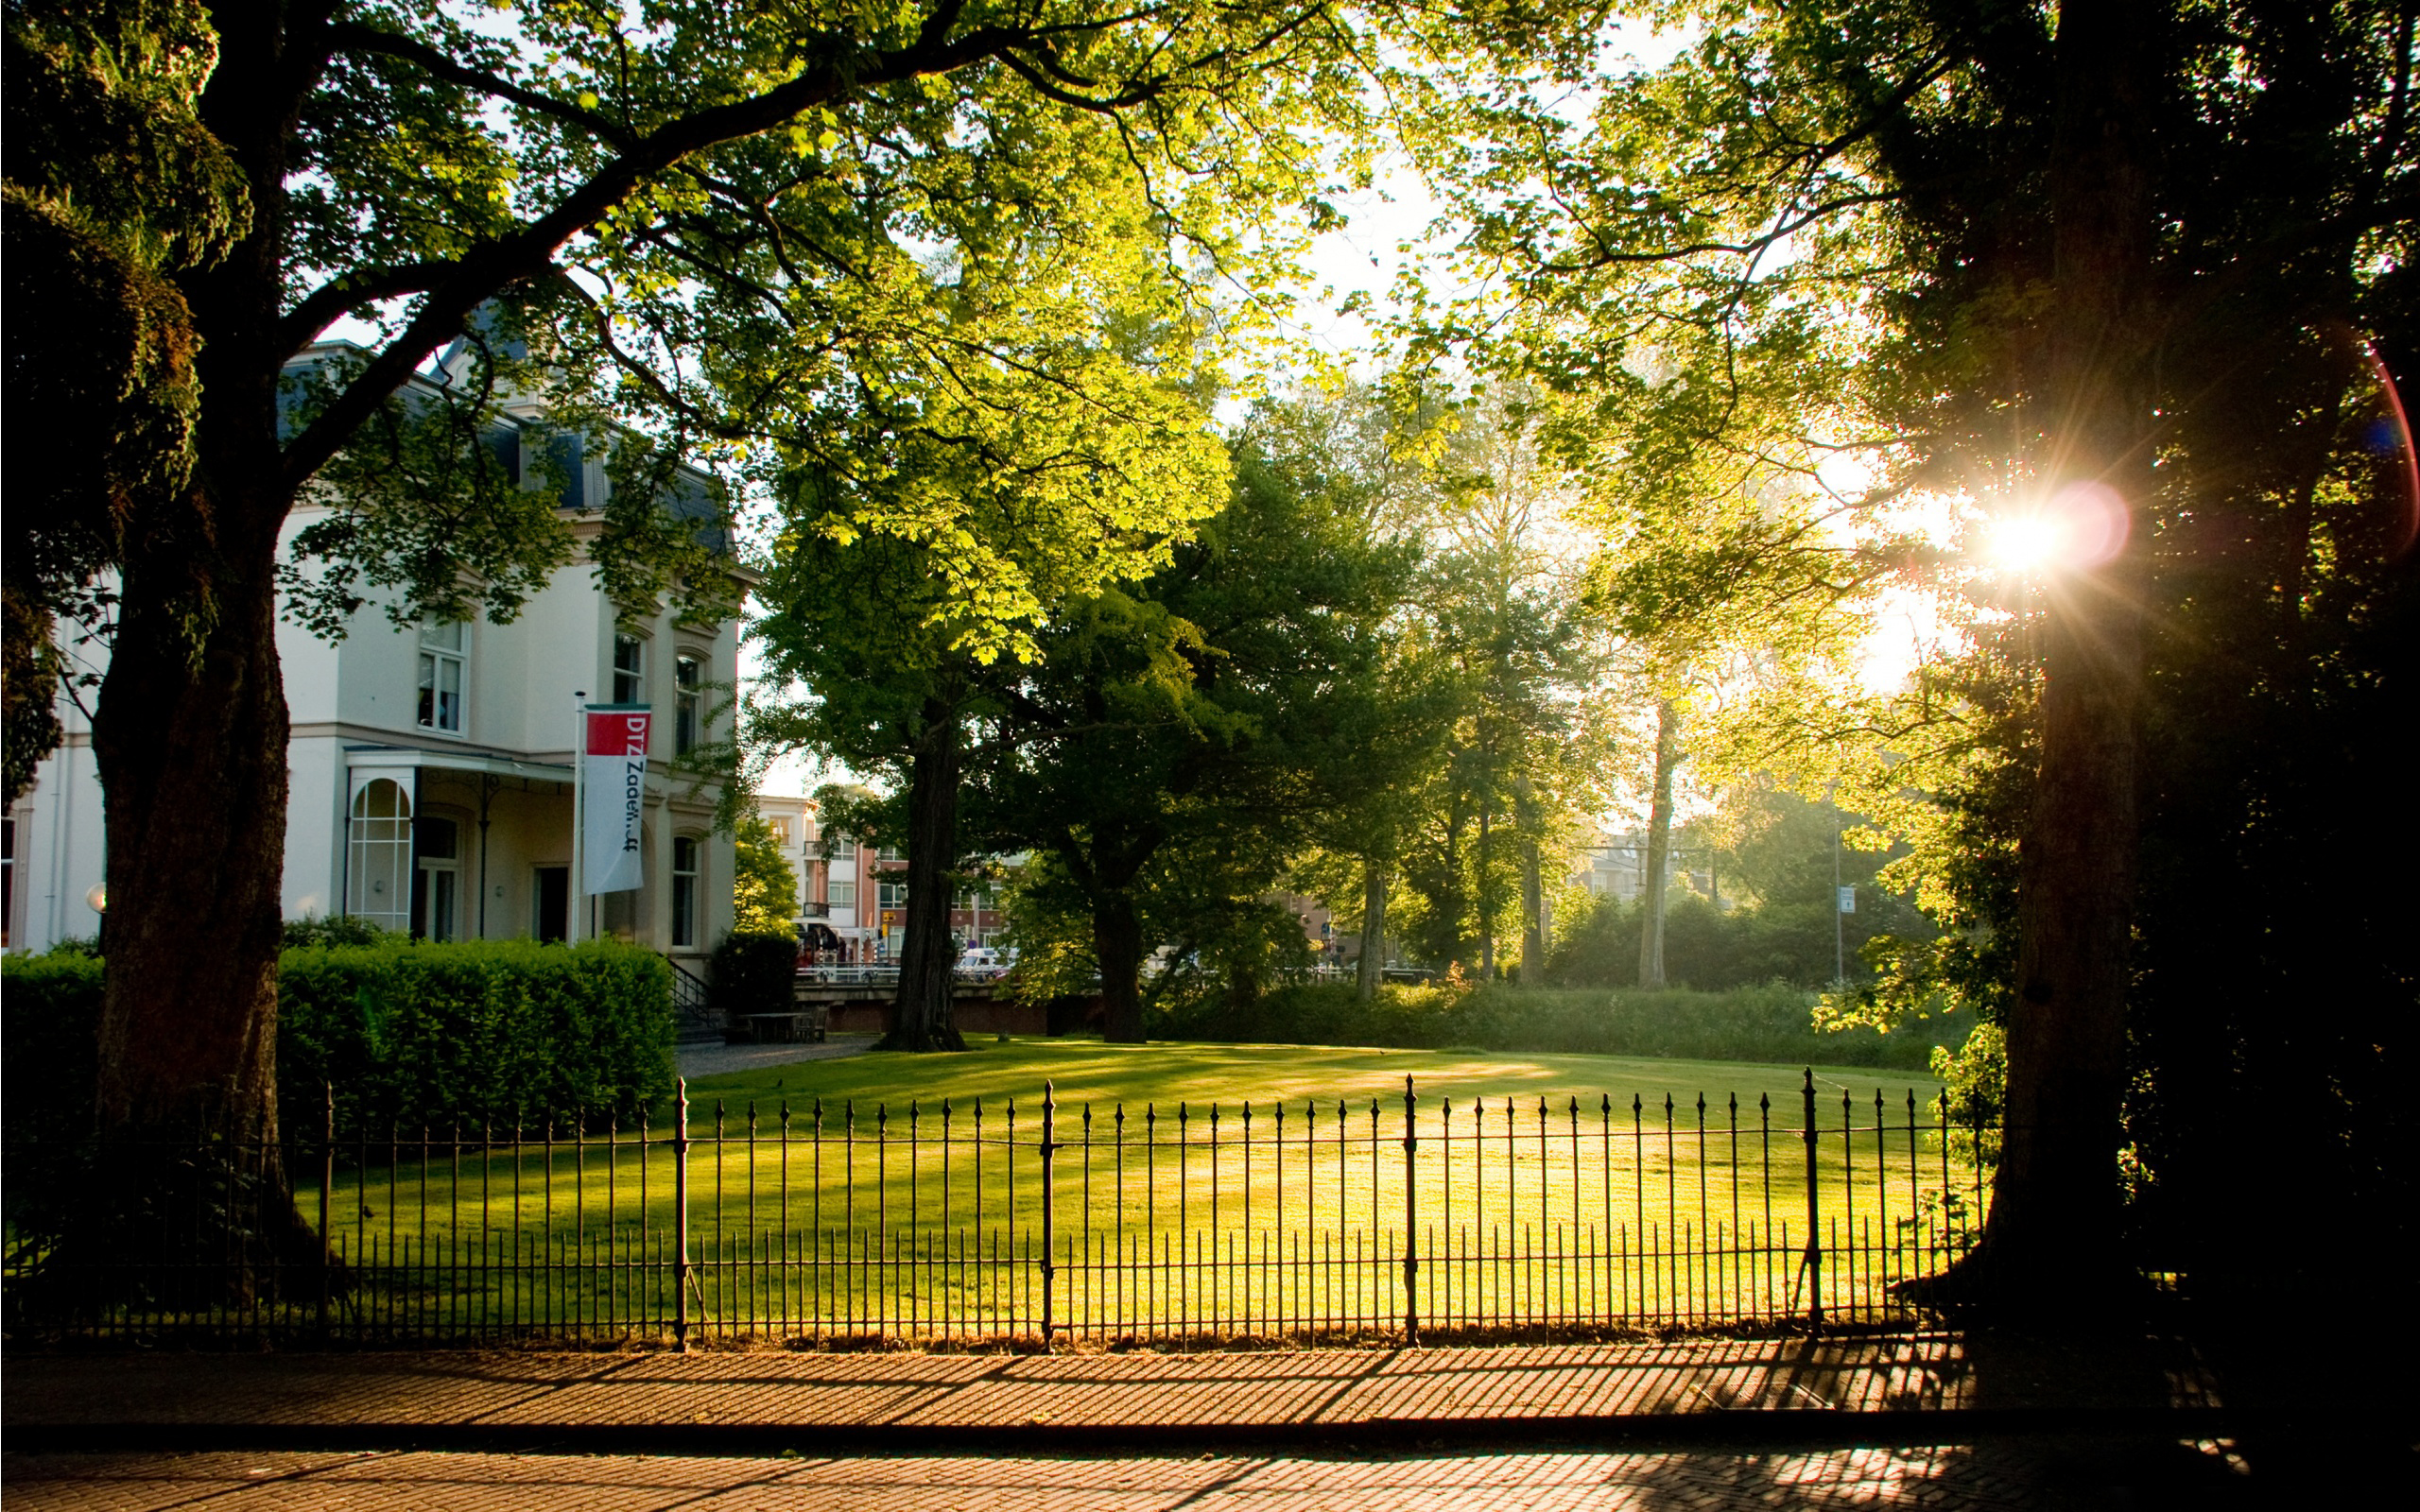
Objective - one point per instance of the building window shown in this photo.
(441, 676)
(630, 669)
(780, 829)
(892, 852)
(891, 894)
(378, 872)
(685, 892)
(437, 880)
(688, 708)
(839, 894)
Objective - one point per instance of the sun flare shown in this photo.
(2024, 542)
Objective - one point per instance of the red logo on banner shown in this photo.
(619, 733)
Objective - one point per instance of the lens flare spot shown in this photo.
(2080, 527)
(2023, 541)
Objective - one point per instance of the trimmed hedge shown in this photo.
(50, 1014)
(1773, 1024)
(755, 972)
(406, 1034)
(425, 1034)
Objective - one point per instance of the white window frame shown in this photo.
(378, 854)
(441, 919)
(635, 690)
(688, 891)
(435, 660)
(840, 892)
(689, 702)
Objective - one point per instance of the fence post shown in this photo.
(327, 1180)
(1049, 1193)
(1814, 1261)
(1410, 1221)
(681, 1217)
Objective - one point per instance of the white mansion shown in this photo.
(431, 769)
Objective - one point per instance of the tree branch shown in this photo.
(342, 295)
(352, 36)
(492, 266)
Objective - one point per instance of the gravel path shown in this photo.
(721, 1060)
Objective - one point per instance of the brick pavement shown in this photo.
(929, 1398)
(1998, 1476)
(1712, 1424)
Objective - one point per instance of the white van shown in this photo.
(983, 963)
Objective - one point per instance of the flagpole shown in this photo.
(573, 898)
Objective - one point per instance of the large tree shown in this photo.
(726, 224)
(2098, 270)
(1174, 745)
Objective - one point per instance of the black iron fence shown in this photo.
(1301, 1219)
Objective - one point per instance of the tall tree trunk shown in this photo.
(1486, 899)
(1534, 912)
(1659, 846)
(1455, 899)
(2053, 1242)
(1118, 944)
(1533, 905)
(920, 1016)
(189, 737)
(1373, 965)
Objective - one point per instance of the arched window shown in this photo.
(378, 862)
(689, 705)
(687, 894)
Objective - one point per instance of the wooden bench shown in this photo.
(795, 1026)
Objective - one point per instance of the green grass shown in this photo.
(1164, 1075)
(812, 1215)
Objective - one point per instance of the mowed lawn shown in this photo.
(911, 1189)
(1162, 1076)
(952, 1143)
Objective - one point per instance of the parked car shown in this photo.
(984, 964)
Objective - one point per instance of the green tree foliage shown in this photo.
(1773, 920)
(736, 232)
(1173, 748)
(2011, 258)
(113, 186)
(764, 886)
(1522, 765)
(875, 614)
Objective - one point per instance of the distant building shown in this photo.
(1611, 865)
(430, 767)
(855, 898)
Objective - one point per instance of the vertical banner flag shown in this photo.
(613, 789)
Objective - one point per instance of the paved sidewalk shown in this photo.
(1925, 1421)
(2004, 1476)
(1912, 1388)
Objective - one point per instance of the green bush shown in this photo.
(334, 929)
(49, 1031)
(412, 1034)
(755, 972)
(1772, 1023)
